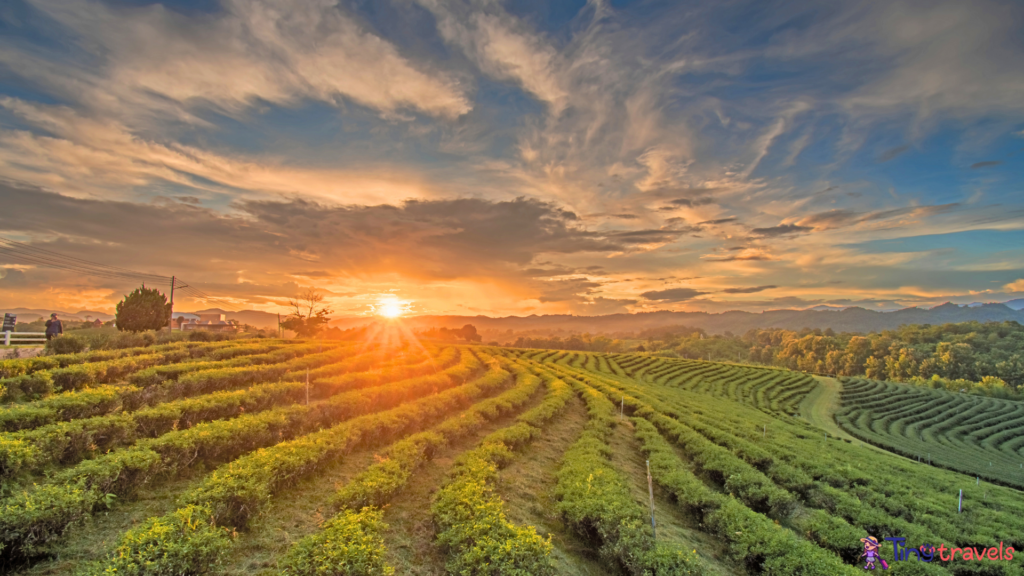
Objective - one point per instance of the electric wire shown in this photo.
(42, 252)
(23, 253)
(48, 263)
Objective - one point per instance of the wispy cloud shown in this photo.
(672, 295)
(527, 162)
(276, 51)
(987, 164)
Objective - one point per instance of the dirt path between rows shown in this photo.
(819, 408)
(821, 404)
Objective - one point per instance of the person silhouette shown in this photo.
(54, 327)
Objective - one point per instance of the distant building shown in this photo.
(178, 319)
(210, 322)
(97, 323)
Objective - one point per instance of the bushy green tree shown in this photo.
(144, 309)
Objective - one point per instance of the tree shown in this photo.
(144, 309)
(310, 314)
(469, 333)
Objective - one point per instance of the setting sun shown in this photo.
(390, 308)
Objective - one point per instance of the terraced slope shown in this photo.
(975, 435)
(400, 457)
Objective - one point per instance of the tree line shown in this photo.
(980, 358)
(985, 358)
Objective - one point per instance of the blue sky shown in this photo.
(517, 157)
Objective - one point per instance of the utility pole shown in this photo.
(170, 324)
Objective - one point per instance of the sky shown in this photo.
(516, 157)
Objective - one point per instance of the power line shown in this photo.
(27, 254)
(13, 244)
(197, 294)
(23, 258)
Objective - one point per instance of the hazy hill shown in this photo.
(33, 314)
(847, 320)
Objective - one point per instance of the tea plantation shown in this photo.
(393, 456)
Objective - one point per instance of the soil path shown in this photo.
(821, 404)
(819, 408)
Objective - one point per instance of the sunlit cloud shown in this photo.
(472, 157)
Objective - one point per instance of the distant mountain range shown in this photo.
(852, 319)
(1017, 304)
(33, 314)
(845, 320)
(252, 317)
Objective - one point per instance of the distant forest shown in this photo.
(980, 358)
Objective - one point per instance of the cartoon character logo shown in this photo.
(870, 554)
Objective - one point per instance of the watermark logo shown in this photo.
(928, 553)
(870, 555)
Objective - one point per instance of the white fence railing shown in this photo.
(23, 337)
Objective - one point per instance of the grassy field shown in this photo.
(392, 456)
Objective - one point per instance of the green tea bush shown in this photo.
(349, 544)
(183, 543)
(595, 500)
(49, 512)
(66, 344)
(472, 524)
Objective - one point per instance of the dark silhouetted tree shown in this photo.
(310, 316)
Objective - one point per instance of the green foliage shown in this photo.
(473, 527)
(67, 344)
(469, 513)
(306, 327)
(584, 342)
(595, 499)
(780, 496)
(183, 543)
(144, 309)
(350, 544)
(467, 333)
(978, 436)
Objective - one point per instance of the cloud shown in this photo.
(601, 306)
(579, 295)
(633, 237)
(11, 278)
(987, 164)
(566, 290)
(842, 217)
(101, 157)
(945, 57)
(503, 47)
(741, 258)
(780, 230)
(1015, 286)
(672, 295)
(719, 221)
(692, 202)
(274, 51)
(892, 153)
(749, 290)
(418, 238)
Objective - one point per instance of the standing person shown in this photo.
(54, 327)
